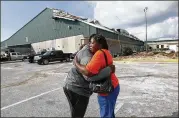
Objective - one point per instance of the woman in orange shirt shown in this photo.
(106, 101)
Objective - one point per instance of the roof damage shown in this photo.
(93, 22)
(65, 15)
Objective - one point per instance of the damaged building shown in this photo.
(59, 30)
(164, 44)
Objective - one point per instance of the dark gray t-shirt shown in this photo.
(75, 81)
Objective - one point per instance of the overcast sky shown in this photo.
(162, 16)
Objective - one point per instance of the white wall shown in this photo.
(173, 47)
(72, 44)
(67, 44)
(165, 45)
(59, 44)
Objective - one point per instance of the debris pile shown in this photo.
(151, 55)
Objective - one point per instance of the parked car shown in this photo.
(4, 56)
(50, 56)
(16, 56)
(31, 56)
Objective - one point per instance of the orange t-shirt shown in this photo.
(98, 62)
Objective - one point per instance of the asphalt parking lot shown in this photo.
(32, 90)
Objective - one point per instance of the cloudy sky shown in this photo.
(162, 16)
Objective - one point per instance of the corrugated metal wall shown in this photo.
(135, 45)
(23, 49)
(124, 42)
(43, 28)
(107, 34)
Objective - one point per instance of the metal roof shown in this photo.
(163, 40)
(95, 23)
(92, 22)
(65, 15)
(98, 26)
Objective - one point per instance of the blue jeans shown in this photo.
(107, 103)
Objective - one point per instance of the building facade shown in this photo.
(57, 29)
(164, 44)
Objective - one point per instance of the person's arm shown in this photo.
(105, 72)
(94, 65)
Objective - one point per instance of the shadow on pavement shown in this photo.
(174, 114)
(5, 62)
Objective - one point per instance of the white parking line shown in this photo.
(6, 68)
(155, 64)
(118, 106)
(28, 99)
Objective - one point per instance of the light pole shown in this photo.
(145, 10)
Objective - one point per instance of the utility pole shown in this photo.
(145, 10)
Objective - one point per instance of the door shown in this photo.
(52, 56)
(13, 56)
(19, 56)
(60, 55)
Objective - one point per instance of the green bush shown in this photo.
(155, 52)
(127, 51)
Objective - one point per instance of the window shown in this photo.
(69, 27)
(52, 53)
(13, 53)
(157, 46)
(18, 54)
(26, 38)
(59, 52)
(162, 46)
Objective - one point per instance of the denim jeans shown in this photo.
(107, 103)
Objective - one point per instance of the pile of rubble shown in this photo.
(153, 55)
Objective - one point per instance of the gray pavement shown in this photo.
(32, 90)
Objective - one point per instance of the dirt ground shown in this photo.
(150, 56)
